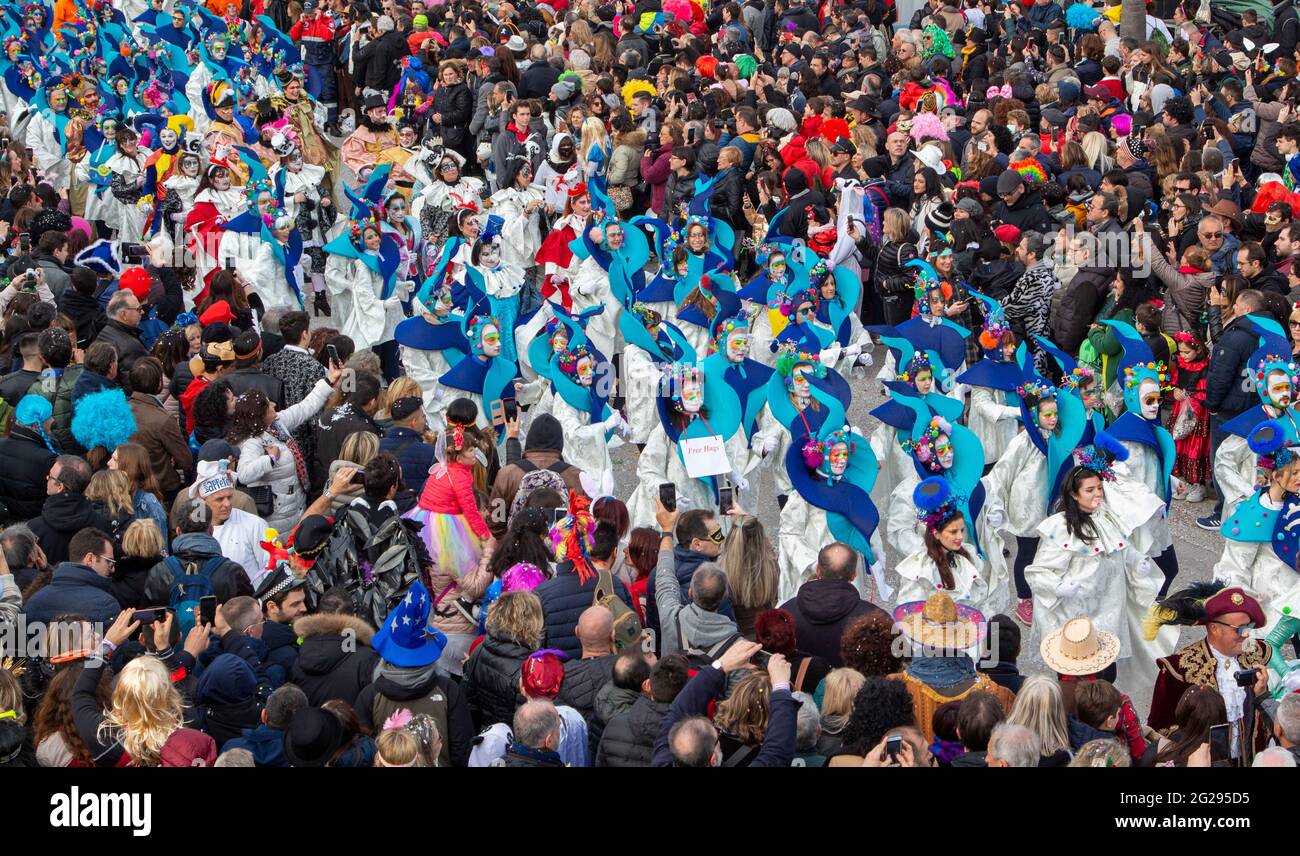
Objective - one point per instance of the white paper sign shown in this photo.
(705, 456)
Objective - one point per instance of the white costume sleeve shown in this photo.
(796, 553)
(1234, 472)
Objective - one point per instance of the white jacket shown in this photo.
(257, 468)
(240, 538)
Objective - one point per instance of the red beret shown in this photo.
(1007, 233)
(219, 311)
(1231, 600)
(135, 280)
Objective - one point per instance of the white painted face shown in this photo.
(738, 346)
(943, 451)
(295, 162)
(168, 138)
(265, 202)
(218, 51)
(692, 396)
(190, 166)
(1279, 388)
(776, 267)
(586, 371)
(221, 180)
(839, 458)
(489, 256)
(1048, 416)
(1149, 394)
(799, 382)
(491, 341)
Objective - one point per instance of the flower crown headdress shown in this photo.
(570, 357)
(923, 447)
(788, 356)
(1133, 375)
(358, 228)
(1272, 362)
(817, 452)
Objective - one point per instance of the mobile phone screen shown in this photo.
(208, 609)
(725, 498)
(668, 495)
(498, 408)
(1220, 745)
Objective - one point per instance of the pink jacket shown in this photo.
(451, 491)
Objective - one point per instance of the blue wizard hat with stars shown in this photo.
(406, 638)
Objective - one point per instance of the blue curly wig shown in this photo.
(1082, 17)
(103, 419)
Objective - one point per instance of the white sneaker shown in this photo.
(1178, 488)
(1196, 493)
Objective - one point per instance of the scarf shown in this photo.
(519, 135)
(406, 677)
(299, 464)
(944, 751)
(942, 672)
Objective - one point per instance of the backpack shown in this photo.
(376, 565)
(535, 479)
(701, 658)
(189, 584)
(627, 626)
(435, 704)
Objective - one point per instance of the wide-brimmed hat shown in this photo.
(931, 157)
(313, 737)
(1078, 648)
(1224, 208)
(939, 622)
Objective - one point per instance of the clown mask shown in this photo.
(799, 384)
(396, 211)
(295, 162)
(221, 180)
(190, 166)
(489, 256)
(491, 341)
(406, 137)
(1149, 394)
(776, 268)
(943, 451)
(839, 459)
(559, 341)
(218, 50)
(1279, 389)
(265, 202)
(692, 396)
(58, 101)
(168, 138)
(737, 346)
(586, 371)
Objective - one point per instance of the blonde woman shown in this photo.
(1096, 147)
(838, 691)
(491, 684)
(753, 573)
(594, 148)
(408, 741)
(142, 547)
(742, 718)
(144, 725)
(1040, 708)
(111, 490)
(358, 449)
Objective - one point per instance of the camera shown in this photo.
(135, 252)
(1247, 677)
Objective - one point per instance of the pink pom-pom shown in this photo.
(787, 310)
(812, 456)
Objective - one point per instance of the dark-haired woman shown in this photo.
(271, 466)
(944, 563)
(1086, 564)
(1120, 306)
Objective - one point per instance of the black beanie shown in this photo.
(545, 433)
(795, 181)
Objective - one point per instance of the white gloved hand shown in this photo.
(996, 517)
(852, 351)
(1147, 568)
(1067, 588)
(612, 421)
(1010, 413)
(770, 444)
(394, 302)
(624, 427)
(865, 360)
(830, 356)
(739, 481)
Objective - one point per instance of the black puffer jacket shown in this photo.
(725, 204)
(492, 681)
(582, 680)
(335, 659)
(891, 261)
(1224, 392)
(629, 738)
(62, 516)
(27, 462)
(821, 610)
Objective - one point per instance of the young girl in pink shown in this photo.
(453, 528)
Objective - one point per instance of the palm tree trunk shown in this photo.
(1133, 19)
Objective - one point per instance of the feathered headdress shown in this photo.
(571, 536)
(1185, 608)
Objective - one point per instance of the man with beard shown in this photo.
(363, 148)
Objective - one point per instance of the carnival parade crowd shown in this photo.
(328, 321)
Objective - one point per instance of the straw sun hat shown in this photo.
(1078, 648)
(938, 622)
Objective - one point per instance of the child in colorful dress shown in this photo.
(453, 529)
(1189, 422)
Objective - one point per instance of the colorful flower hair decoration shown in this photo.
(1133, 375)
(788, 357)
(936, 503)
(568, 359)
(1079, 376)
(817, 452)
(1101, 454)
(734, 324)
(676, 377)
(358, 229)
(649, 318)
(925, 447)
(571, 536)
(916, 365)
(1035, 391)
(474, 331)
(995, 329)
(1183, 337)
(1269, 364)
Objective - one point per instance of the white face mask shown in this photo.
(737, 347)
(490, 256)
(692, 397)
(168, 138)
(1149, 393)
(221, 181)
(1279, 389)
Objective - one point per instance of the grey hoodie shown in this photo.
(700, 630)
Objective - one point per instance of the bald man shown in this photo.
(585, 677)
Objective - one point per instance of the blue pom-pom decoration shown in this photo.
(1111, 446)
(1081, 16)
(1267, 438)
(932, 494)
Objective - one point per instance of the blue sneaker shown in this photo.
(1212, 522)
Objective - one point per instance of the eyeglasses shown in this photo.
(1240, 629)
(112, 563)
(1212, 236)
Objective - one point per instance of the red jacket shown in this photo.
(451, 491)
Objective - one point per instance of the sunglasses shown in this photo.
(1242, 630)
(1212, 236)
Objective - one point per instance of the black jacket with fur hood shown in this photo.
(335, 659)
